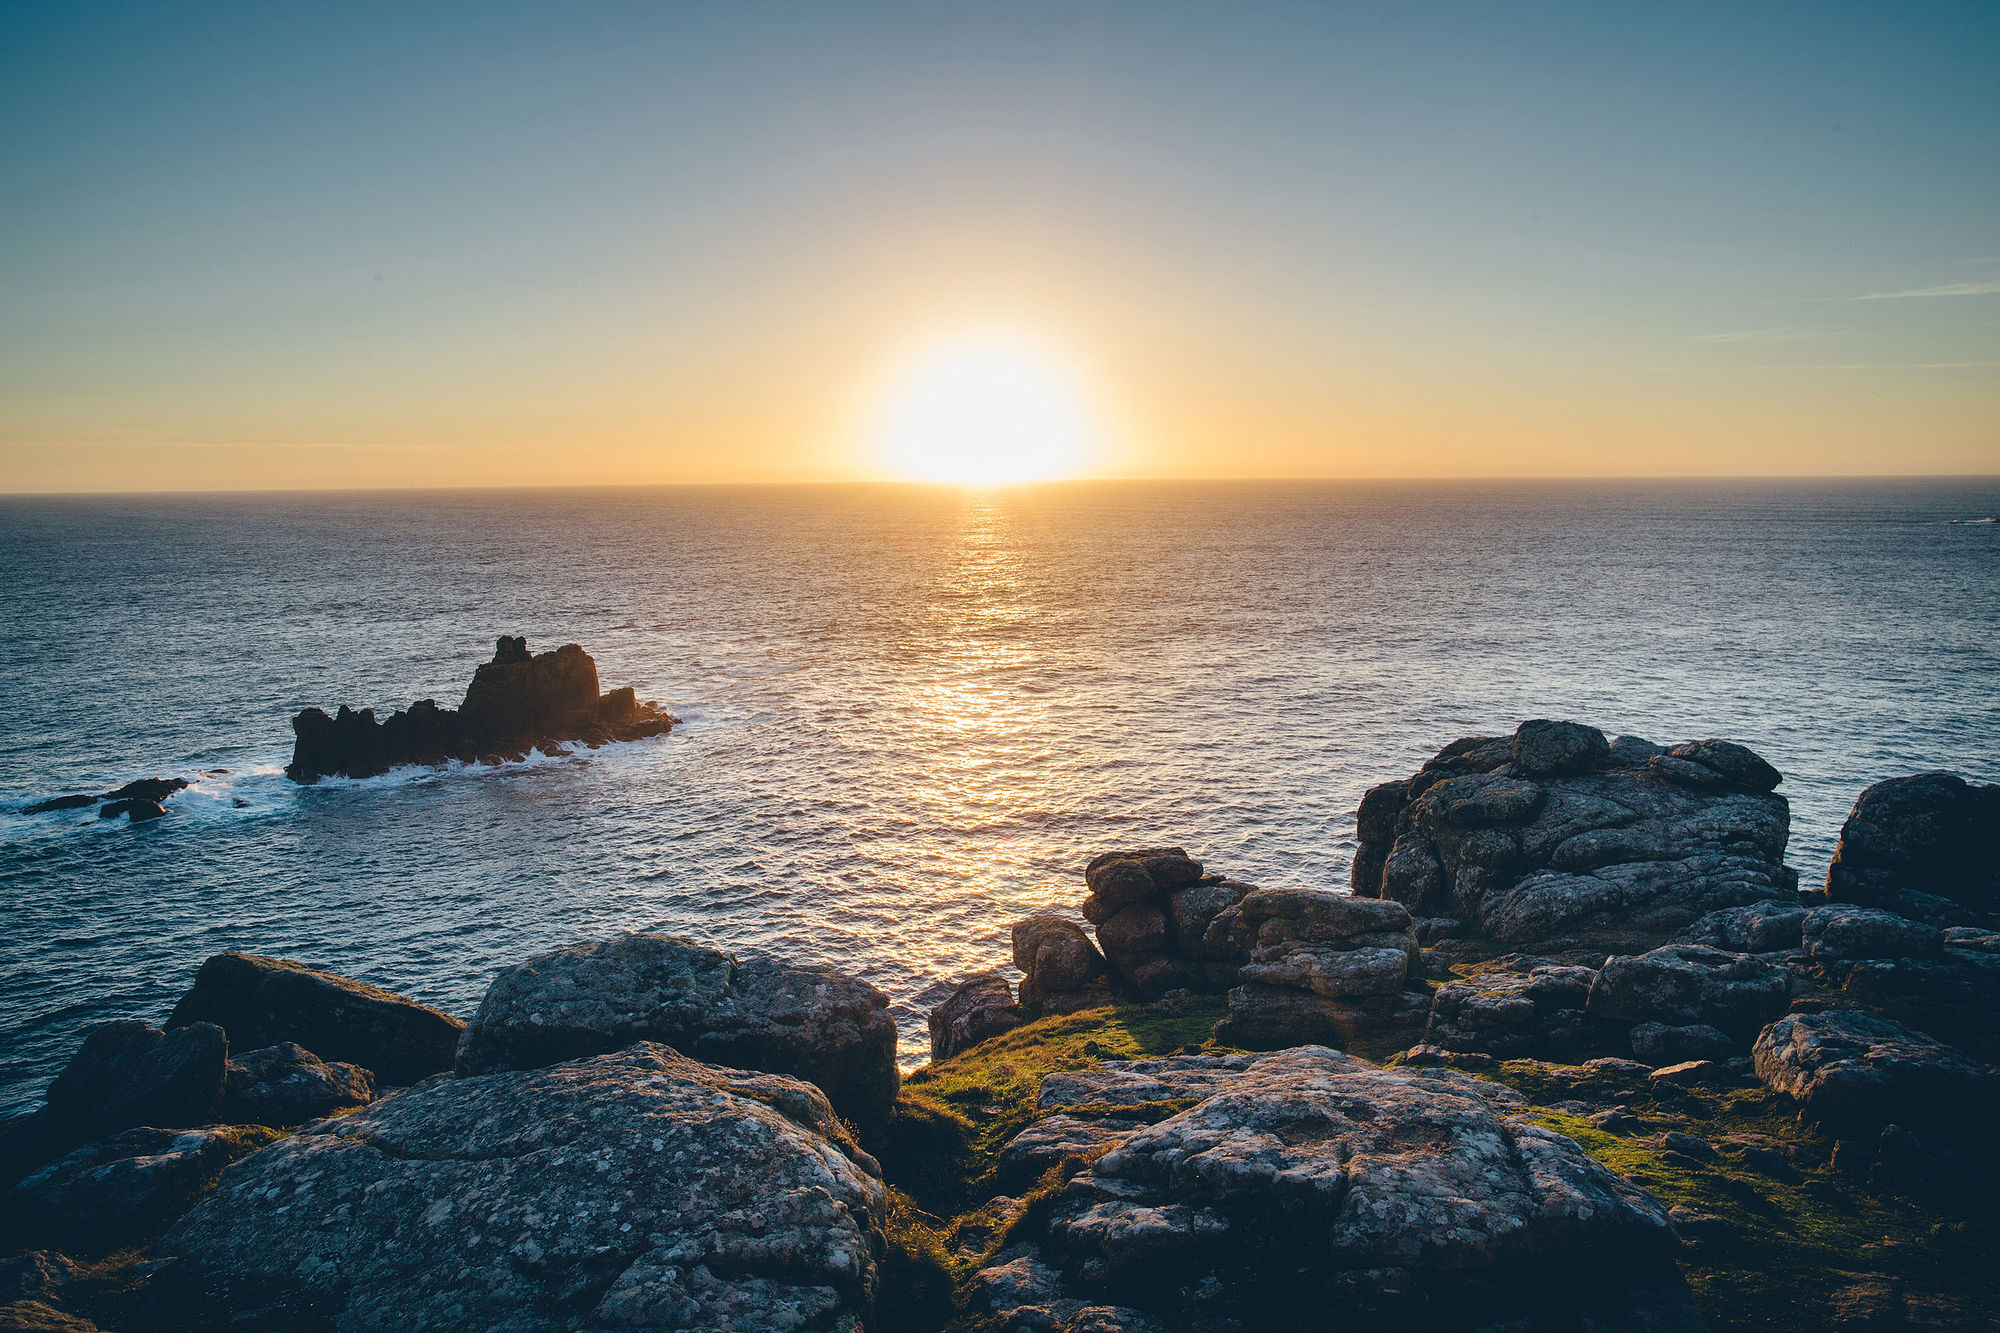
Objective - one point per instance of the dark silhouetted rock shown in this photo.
(1852, 1066)
(516, 702)
(752, 1013)
(268, 1001)
(135, 809)
(124, 1189)
(34, 1285)
(1659, 1044)
(74, 802)
(287, 1085)
(982, 1006)
(637, 1190)
(1679, 985)
(1309, 1189)
(1557, 839)
(1926, 847)
(1055, 956)
(127, 1073)
(1844, 931)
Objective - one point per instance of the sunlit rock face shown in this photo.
(1308, 1188)
(517, 702)
(1557, 835)
(637, 1190)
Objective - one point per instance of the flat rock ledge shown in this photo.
(637, 1190)
(517, 702)
(754, 1012)
(1309, 1188)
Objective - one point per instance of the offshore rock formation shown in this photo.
(1555, 836)
(1925, 847)
(138, 801)
(1307, 1188)
(753, 1012)
(638, 1190)
(517, 702)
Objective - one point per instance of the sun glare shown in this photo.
(985, 409)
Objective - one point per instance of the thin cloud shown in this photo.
(1986, 288)
(1779, 335)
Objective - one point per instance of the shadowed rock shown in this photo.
(266, 1001)
(128, 1073)
(139, 801)
(1925, 847)
(287, 1084)
(516, 702)
(123, 1189)
(1056, 959)
(637, 1190)
(754, 1013)
(1851, 1066)
(982, 1006)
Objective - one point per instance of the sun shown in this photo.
(985, 409)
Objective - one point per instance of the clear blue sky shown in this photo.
(286, 244)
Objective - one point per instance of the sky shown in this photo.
(297, 245)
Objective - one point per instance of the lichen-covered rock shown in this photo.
(1682, 984)
(1056, 957)
(118, 1191)
(128, 1073)
(1766, 927)
(265, 1001)
(1954, 996)
(1193, 908)
(1852, 1066)
(1306, 1188)
(1528, 1008)
(1926, 847)
(635, 1190)
(287, 1084)
(752, 1013)
(982, 1006)
(1844, 931)
(1332, 973)
(1555, 836)
(1056, 1139)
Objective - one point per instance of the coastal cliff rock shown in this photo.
(1307, 1188)
(1853, 1067)
(637, 1190)
(267, 1001)
(757, 1013)
(516, 702)
(1061, 970)
(1925, 847)
(287, 1085)
(982, 1006)
(123, 1189)
(1558, 836)
(1317, 967)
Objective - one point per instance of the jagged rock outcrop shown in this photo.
(267, 1001)
(287, 1084)
(138, 801)
(1317, 967)
(982, 1006)
(516, 702)
(1061, 970)
(1853, 1067)
(752, 1013)
(123, 1189)
(1944, 983)
(1925, 847)
(1557, 836)
(1307, 1188)
(637, 1190)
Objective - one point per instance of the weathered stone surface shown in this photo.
(1925, 847)
(265, 1001)
(982, 1006)
(1682, 984)
(118, 1191)
(1659, 1044)
(1055, 1140)
(1849, 1065)
(634, 1190)
(1135, 928)
(287, 1085)
(1759, 928)
(516, 701)
(127, 1073)
(1312, 914)
(753, 1013)
(1308, 1189)
(1844, 931)
(1265, 1017)
(1526, 1009)
(1055, 956)
(1129, 876)
(1333, 973)
(1192, 909)
(1954, 997)
(1578, 843)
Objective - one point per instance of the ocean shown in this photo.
(910, 714)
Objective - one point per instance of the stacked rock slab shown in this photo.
(636, 1190)
(1318, 967)
(1308, 1189)
(1925, 847)
(1556, 836)
(1152, 907)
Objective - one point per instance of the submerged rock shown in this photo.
(1556, 836)
(982, 1006)
(1925, 847)
(636, 1190)
(1307, 1188)
(754, 1013)
(268, 1001)
(516, 702)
